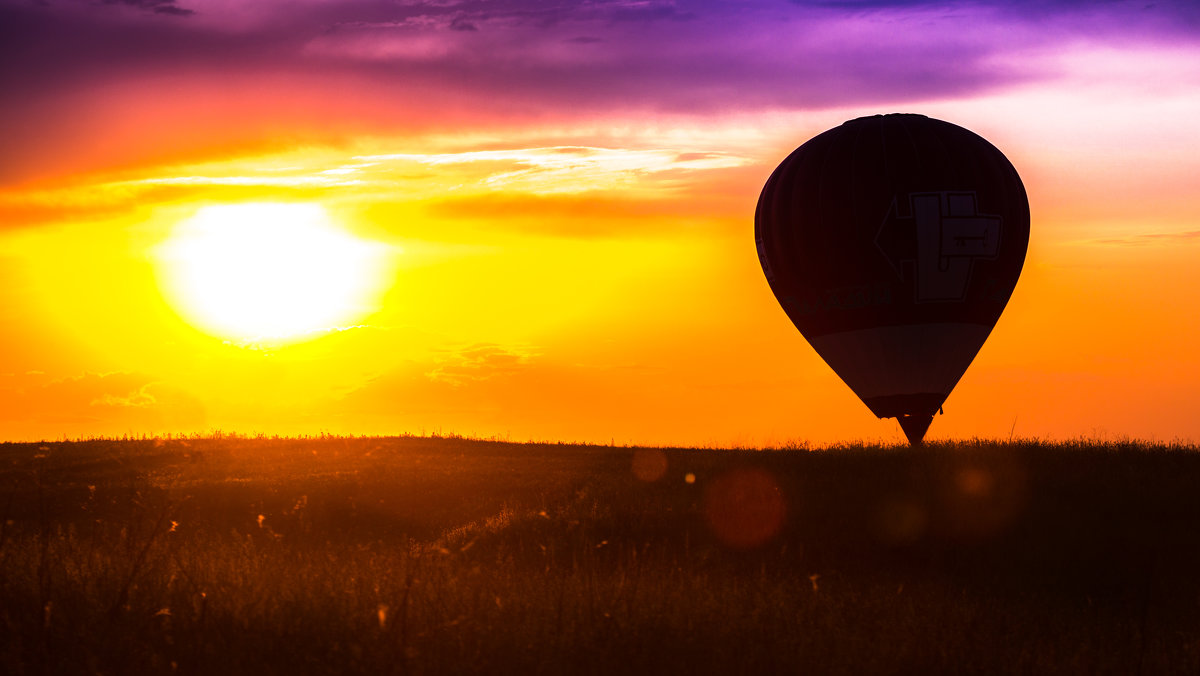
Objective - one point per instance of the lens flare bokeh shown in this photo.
(745, 507)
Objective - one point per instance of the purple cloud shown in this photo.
(532, 60)
(156, 6)
(603, 55)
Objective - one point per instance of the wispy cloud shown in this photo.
(139, 398)
(320, 180)
(540, 188)
(112, 400)
(1184, 14)
(156, 6)
(1156, 238)
(478, 362)
(567, 169)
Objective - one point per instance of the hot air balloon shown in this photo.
(893, 243)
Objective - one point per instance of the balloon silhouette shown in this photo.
(893, 243)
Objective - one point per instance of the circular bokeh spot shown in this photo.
(901, 521)
(744, 507)
(983, 495)
(649, 464)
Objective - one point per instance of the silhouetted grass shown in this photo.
(433, 555)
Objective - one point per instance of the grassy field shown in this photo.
(444, 555)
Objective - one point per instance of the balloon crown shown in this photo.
(878, 115)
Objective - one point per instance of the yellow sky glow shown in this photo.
(588, 283)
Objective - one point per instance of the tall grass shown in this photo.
(424, 556)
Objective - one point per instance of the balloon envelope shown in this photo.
(893, 243)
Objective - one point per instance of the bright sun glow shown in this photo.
(271, 273)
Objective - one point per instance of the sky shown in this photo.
(534, 220)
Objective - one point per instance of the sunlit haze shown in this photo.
(536, 222)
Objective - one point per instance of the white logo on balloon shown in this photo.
(950, 234)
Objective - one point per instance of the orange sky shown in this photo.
(543, 267)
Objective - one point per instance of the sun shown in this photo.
(269, 272)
